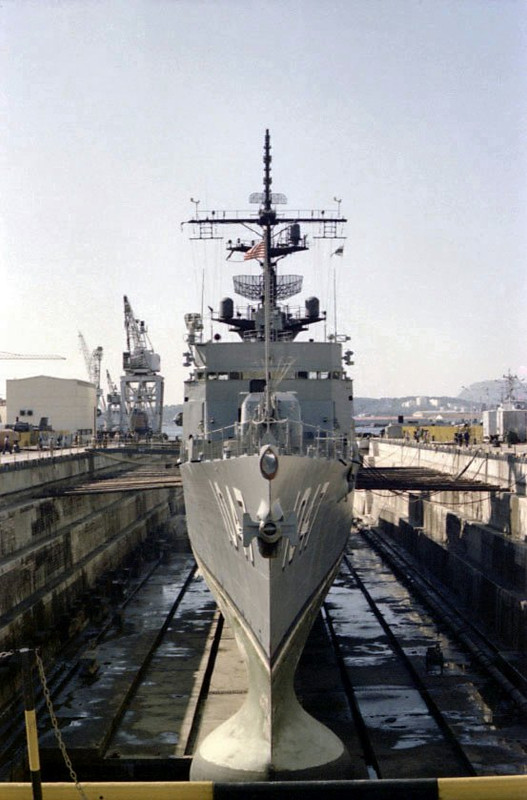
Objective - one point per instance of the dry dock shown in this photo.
(55, 550)
(141, 666)
(476, 545)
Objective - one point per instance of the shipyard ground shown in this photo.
(157, 695)
(168, 672)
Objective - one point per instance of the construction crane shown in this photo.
(141, 385)
(113, 395)
(113, 404)
(92, 359)
(22, 356)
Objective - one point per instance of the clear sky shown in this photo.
(117, 112)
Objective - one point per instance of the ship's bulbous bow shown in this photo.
(271, 737)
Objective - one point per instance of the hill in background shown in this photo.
(476, 397)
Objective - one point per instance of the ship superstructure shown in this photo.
(269, 471)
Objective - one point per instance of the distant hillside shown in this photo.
(393, 406)
(494, 392)
(484, 394)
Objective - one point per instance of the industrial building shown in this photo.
(507, 422)
(66, 404)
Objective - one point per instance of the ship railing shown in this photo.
(294, 312)
(213, 215)
(258, 336)
(289, 437)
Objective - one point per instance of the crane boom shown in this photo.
(23, 356)
(111, 385)
(136, 331)
(92, 359)
(139, 356)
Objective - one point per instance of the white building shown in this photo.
(505, 420)
(68, 404)
(422, 402)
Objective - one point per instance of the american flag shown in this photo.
(256, 251)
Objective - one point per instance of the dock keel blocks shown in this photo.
(271, 737)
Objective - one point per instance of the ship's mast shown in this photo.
(280, 237)
(267, 211)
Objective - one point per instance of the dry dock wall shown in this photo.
(476, 544)
(25, 476)
(53, 550)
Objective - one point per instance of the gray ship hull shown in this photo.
(268, 521)
(270, 604)
(268, 594)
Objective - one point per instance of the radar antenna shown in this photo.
(278, 234)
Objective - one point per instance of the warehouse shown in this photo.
(67, 405)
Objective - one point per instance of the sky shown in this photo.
(412, 113)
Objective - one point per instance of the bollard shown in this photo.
(31, 724)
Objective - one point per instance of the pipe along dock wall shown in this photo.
(54, 550)
(476, 545)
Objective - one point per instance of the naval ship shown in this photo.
(269, 468)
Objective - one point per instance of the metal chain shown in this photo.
(7, 653)
(55, 724)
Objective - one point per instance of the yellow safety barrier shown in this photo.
(32, 740)
(111, 791)
(506, 787)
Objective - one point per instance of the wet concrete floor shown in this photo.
(138, 710)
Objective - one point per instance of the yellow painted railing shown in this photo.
(507, 787)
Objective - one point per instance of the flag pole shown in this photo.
(335, 299)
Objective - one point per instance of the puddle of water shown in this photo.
(409, 742)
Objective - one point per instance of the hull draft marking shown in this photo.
(307, 513)
(231, 516)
